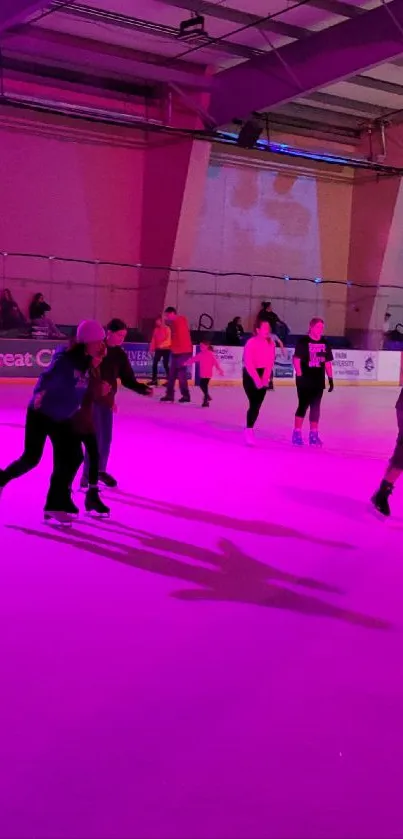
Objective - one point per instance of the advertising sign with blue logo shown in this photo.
(355, 364)
(283, 367)
(140, 359)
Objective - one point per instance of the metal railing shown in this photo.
(102, 289)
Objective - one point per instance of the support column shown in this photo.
(372, 216)
(174, 183)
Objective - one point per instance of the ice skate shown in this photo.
(70, 508)
(206, 403)
(108, 480)
(314, 439)
(250, 439)
(184, 400)
(381, 498)
(167, 399)
(94, 504)
(297, 438)
(58, 517)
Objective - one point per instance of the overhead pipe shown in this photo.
(225, 138)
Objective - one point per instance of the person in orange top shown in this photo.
(161, 347)
(208, 362)
(181, 353)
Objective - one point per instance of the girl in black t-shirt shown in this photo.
(312, 359)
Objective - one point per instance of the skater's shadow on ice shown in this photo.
(258, 528)
(233, 578)
(349, 508)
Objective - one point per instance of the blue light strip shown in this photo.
(292, 151)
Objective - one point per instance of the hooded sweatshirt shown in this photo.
(62, 386)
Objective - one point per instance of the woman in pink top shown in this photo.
(258, 362)
(207, 362)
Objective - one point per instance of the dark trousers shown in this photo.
(203, 385)
(160, 355)
(103, 421)
(178, 370)
(90, 444)
(256, 398)
(309, 396)
(397, 457)
(67, 456)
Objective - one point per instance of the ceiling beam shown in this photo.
(377, 84)
(278, 27)
(308, 65)
(337, 7)
(345, 104)
(93, 15)
(15, 12)
(68, 51)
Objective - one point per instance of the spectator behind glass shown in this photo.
(278, 327)
(234, 333)
(11, 316)
(37, 315)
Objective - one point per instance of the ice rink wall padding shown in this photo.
(22, 359)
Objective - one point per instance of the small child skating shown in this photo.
(208, 362)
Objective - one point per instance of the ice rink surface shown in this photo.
(223, 658)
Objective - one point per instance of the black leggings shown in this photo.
(203, 384)
(309, 397)
(255, 396)
(67, 456)
(158, 355)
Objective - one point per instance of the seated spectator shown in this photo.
(234, 333)
(11, 316)
(42, 325)
(278, 327)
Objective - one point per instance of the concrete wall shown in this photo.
(262, 215)
(74, 190)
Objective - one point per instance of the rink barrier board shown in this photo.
(24, 360)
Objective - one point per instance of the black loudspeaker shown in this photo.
(249, 134)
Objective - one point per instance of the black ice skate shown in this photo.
(94, 503)
(58, 517)
(381, 498)
(108, 480)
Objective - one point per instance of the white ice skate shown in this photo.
(250, 439)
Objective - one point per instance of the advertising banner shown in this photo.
(25, 359)
(230, 359)
(355, 365)
(283, 368)
(141, 361)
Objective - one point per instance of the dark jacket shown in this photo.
(63, 385)
(116, 366)
(234, 334)
(37, 310)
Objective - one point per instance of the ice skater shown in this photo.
(258, 362)
(161, 347)
(312, 359)
(115, 366)
(84, 426)
(381, 498)
(207, 362)
(181, 353)
(58, 395)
